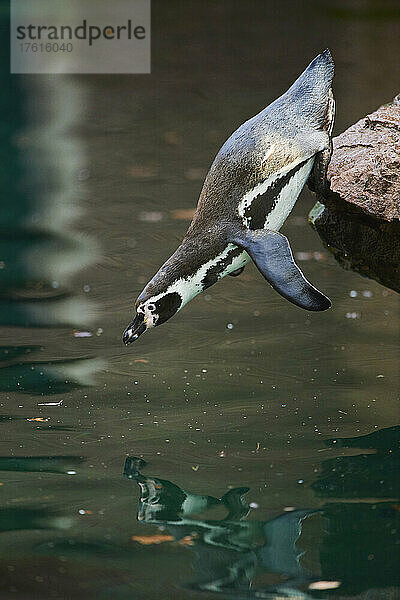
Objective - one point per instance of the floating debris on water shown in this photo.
(82, 334)
(147, 540)
(59, 403)
(187, 540)
(304, 256)
(364, 293)
(151, 216)
(183, 214)
(324, 585)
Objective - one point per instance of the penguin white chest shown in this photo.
(268, 204)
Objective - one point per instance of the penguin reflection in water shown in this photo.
(228, 552)
(248, 193)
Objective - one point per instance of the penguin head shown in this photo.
(151, 311)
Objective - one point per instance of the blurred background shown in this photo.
(100, 175)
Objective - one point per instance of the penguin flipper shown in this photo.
(271, 253)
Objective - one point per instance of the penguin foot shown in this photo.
(318, 181)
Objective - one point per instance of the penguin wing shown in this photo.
(271, 253)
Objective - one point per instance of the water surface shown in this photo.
(245, 449)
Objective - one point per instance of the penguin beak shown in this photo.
(134, 329)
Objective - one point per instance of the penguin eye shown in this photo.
(151, 307)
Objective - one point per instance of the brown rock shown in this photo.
(365, 166)
(359, 218)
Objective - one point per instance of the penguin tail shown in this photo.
(311, 93)
(323, 61)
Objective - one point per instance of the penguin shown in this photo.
(248, 193)
(163, 500)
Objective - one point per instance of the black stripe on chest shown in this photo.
(215, 271)
(263, 204)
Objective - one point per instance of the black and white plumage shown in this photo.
(248, 193)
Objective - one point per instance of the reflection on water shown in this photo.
(363, 475)
(39, 250)
(230, 552)
(44, 378)
(13, 519)
(241, 390)
(35, 262)
(41, 464)
(354, 546)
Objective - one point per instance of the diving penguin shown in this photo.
(247, 195)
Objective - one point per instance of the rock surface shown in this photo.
(359, 218)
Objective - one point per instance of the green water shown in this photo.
(249, 414)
